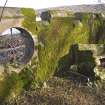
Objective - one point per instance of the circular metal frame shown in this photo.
(16, 48)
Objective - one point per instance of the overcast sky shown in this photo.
(38, 4)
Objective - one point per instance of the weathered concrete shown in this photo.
(8, 23)
(98, 53)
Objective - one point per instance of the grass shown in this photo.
(57, 38)
(29, 21)
(61, 92)
(59, 35)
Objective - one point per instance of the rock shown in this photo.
(100, 72)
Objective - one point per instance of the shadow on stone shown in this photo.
(77, 65)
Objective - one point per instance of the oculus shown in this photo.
(16, 46)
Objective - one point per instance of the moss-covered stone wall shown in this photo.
(60, 34)
(55, 41)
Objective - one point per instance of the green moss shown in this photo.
(55, 42)
(8, 84)
(59, 35)
(13, 85)
(29, 20)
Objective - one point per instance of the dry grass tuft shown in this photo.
(61, 92)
